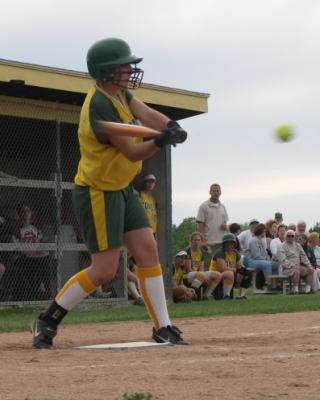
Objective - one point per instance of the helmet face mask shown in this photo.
(124, 76)
(136, 78)
(107, 58)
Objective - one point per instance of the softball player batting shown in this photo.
(107, 207)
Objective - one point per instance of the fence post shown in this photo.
(58, 192)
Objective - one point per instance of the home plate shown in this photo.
(130, 345)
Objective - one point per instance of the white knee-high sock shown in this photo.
(75, 290)
(152, 291)
(133, 290)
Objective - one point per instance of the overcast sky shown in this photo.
(259, 61)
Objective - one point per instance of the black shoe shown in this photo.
(139, 302)
(199, 293)
(43, 334)
(226, 297)
(167, 334)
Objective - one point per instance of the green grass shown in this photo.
(18, 319)
(137, 396)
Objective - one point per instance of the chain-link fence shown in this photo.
(40, 243)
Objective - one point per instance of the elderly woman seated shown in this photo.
(295, 263)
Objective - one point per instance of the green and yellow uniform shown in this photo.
(197, 257)
(105, 203)
(231, 259)
(179, 275)
(150, 205)
(102, 166)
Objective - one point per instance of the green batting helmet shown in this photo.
(105, 55)
(229, 237)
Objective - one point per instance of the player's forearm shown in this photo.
(148, 116)
(201, 228)
(188, 266)
(134, 151)
(156, 120)
(142, 151)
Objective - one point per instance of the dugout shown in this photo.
(39, 113)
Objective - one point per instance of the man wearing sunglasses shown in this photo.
(295, 263)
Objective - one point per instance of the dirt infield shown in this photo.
(251, 357)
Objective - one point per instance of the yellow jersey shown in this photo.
(231, 259)
(179, 275)
(150, 205)
(102, 166)
(197, 257)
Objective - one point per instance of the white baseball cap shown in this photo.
(149, 177)
(181, 253)
(290, 232)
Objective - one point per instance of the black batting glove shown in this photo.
(171, 136)
(173, 124)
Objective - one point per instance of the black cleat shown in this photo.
(199, 293)
(43, 334)
(167, 334)
(139, 302)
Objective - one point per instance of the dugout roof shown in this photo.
(37, 82)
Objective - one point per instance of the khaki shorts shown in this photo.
(289, 271)
(104, 217)
(191, 275)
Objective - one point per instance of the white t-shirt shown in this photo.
(244, 239)
(274, 245)
(316, 251)
(213, 215)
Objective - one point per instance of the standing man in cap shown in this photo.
(149, 202)
(279, 218)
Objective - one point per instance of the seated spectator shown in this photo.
(132, 282)
(32, 279)
(276, 242)
(301, 228)
(235, 229)
(227, 261)
(258, 257)
(180, 291)
(313, 240)
(295, 263)
(246, 235)
(271, 233)
(195, 264)
(303, 241)
(292, 227)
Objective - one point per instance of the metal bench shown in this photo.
(284, 279)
